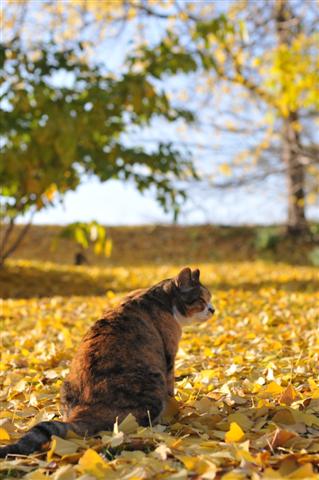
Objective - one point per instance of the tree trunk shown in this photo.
(287, 26)
(296, 223)
(7, 248)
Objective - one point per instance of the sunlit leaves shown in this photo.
(89, 234)
(292, 74)
(247, 388)
(55, 131)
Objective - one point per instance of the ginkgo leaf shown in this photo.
(129, 424)
(234, 434)
(60, 446)
(195, 464)
(171, 409)
(288, 396)
(273, 388)
(4, 435)
(93, 464)
(281, 437)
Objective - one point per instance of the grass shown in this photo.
(173, 244)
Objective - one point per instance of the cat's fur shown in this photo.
(125, 363)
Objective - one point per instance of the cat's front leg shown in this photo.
(170, 376)
(170, 383)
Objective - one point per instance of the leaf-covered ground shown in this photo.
(247, 386)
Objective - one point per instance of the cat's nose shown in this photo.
(211, 309)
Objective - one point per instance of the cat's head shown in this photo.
(192, 301)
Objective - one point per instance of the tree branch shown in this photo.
(7, 235)
(18, 240)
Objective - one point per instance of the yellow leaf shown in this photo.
(195, 464)
(305, 471)
(129, 424)
(61, 447)
(315, 394)
(273, 388)
(36, 475)
(4, 435)
(314, 388)
(235, 476)
(93, 464)
(235, 433)
(244, 455)
(270, 474)
(312, 384)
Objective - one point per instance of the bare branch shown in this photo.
(18, 240)
(7, 234)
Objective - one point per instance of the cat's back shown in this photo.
(123, 339)
(121, 360)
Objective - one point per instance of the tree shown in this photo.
(254, 76)
(260, 60)
(63, 117)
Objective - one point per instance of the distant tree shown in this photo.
(64, 117)
(258, 79)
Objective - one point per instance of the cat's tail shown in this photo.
(36, 438)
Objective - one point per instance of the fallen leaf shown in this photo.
(281, 437)
(93, 464)
(66, 472)
(129, 424)
(4, 435)
(305, 471)
(288, 396)
(171, 410)
(273, 388)
(60, 446)
(234, 434)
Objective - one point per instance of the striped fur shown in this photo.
(36, 438)
(125, 363)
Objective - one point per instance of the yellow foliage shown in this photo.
(250, 373)
(293, 74)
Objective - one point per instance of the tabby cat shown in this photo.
(125, 363)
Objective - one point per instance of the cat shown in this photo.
(125, 363)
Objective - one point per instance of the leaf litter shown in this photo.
(247, 382)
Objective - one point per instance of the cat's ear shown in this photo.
(184, 279)
(195, 275)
